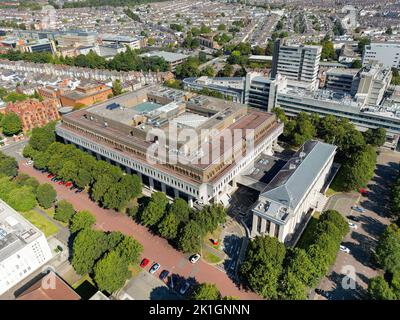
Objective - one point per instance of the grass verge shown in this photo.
(47, 227)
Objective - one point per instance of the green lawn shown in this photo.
(211, 258)
(50, 212)
(307, 237)
(46, 226)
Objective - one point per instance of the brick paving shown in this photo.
(155, 247)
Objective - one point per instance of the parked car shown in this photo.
(50, 176)
(352, 225)
(172, 281)
(68, 184)
(78, 190)
(164, 274)
(144, 262)
(358, 209)
(354, 218)
(194, 258)
(61, 182)
(344, 249)
(29, 162)
(184, 288)
(154, 268)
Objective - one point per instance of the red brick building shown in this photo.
(33, 113)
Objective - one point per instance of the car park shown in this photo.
(154, 268)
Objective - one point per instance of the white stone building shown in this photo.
(296, 189)
(23, 248)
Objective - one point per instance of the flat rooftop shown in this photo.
(15, 231)
(167, 56)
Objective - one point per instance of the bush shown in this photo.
(46, 195)
(64, 211)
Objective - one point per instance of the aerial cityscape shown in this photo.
(200, 150)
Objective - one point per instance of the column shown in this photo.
(272, 229)
(129, 170)
(163, 187)
(151, 183)
(98, 157)
(234, 184)
(263, 226)
(254, 225)
(190, 202)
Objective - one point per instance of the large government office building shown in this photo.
(124, 129)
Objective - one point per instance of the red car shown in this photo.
(68, 184)
(61, 182)
(50, 176)
(144, 262)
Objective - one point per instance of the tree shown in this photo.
(221, 27)
(208, 71)
(328, 51)
(168, 228)
(362, 42)
(301, 265)
(379, 289)
(280, 115)
(206, 291)
(262, 267)
(64, 211)
(155, 210)
(81, 220)
(117, 87)
(46, 195)
(111, 272)
(11, 124)
(337, 219)
(42, 138)
(8, 165)
(356, 64)
(388, 249)
(129, 249)
(26, 180)
(293, 287)
(22, 199)
(190, 238)
(180, 209)
(375, 137)
(226, 71)
(89, 245)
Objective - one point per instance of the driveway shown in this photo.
(155, 247)
(350, 275)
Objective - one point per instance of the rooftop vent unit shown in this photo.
(302, 154)
(292, 166)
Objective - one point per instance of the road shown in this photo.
(15, 149)
(155, 248)
(350, 275)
